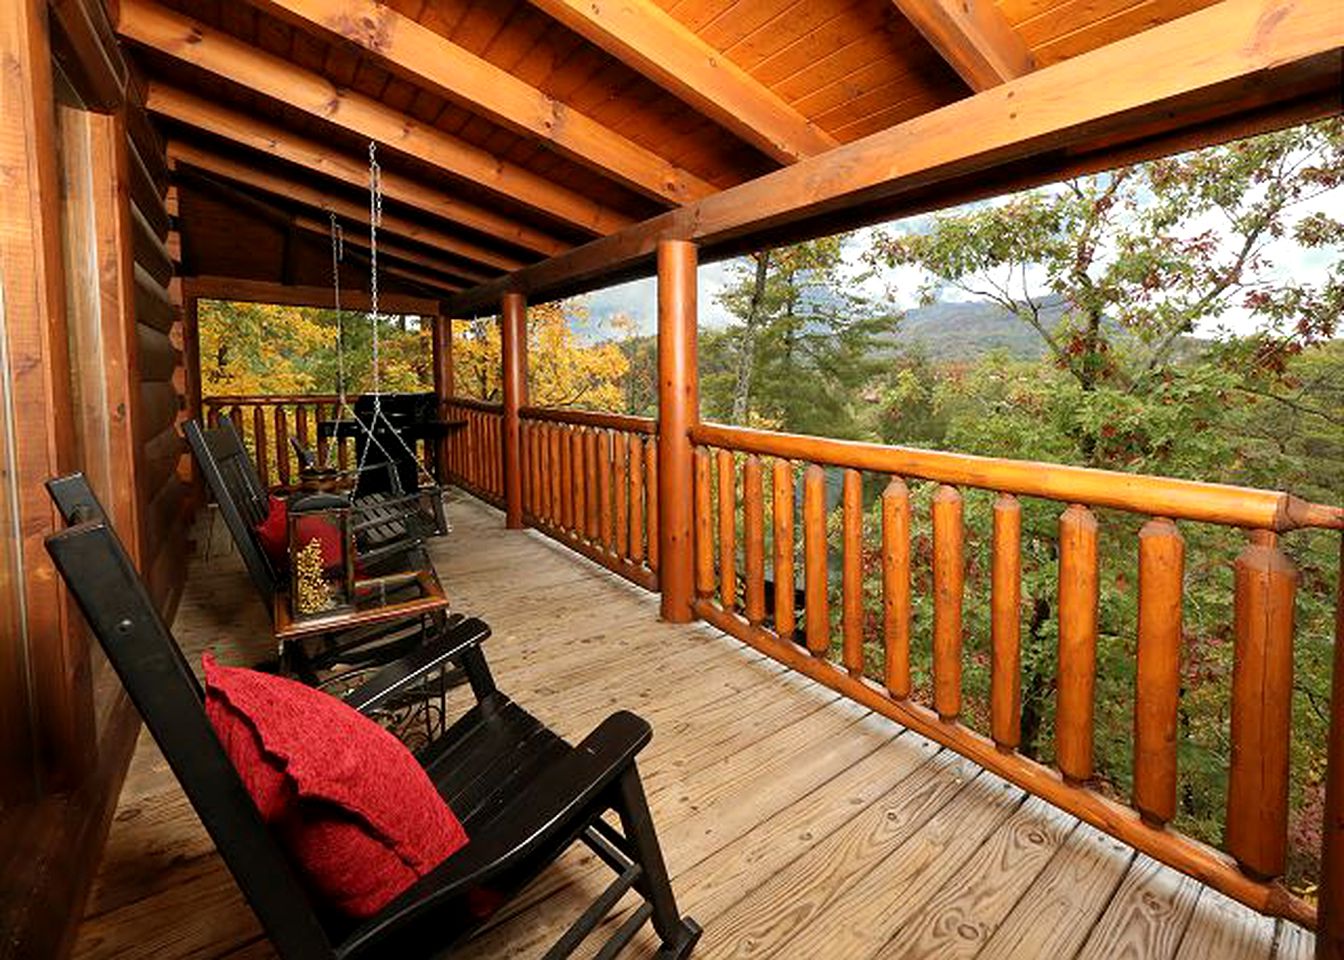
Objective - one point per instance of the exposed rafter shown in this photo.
(432, 61)
(291, 224)
(269, 138)
(653, 42)
(393, 249)
(265, 291)
(312, 196)
(185, 39)
(974, 38)
(1254, 55)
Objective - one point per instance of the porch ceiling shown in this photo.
(517, 130)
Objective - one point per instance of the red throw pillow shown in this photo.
(357, 813)
(273, 535)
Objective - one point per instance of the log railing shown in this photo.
(268, 421)
(590, 481)
(760, 604)
(475, 452)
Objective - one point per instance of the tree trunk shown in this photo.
(746, 352)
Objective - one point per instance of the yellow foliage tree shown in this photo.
(561, 371)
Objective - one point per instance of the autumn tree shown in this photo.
(802, 346)
(1145, 256)
(562, 371)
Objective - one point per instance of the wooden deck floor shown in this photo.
(795, 824)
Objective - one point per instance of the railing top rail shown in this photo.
(475, 404)
(1138, 493)
(269, 398)
(590, 418)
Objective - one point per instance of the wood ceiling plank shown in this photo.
(1066, 17)
(972, 36)
(812, 48)
(420, 56)
(223, 55)
(643, 36)
(800, 19)
(268, 138)
(1126, 23)
(1256, 56)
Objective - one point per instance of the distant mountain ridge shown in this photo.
(965, 331)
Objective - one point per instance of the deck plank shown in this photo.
(795, 823)
(1147, 916)
(1054, 916)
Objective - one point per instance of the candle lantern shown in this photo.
(321, 556)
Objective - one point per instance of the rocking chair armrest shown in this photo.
(551, 809)
(457, 639)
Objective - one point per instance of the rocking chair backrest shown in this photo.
(121, 615)
(243, 501)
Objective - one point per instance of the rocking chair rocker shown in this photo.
(523, 794)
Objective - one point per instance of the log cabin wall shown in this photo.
(92, 377)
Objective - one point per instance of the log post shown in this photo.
(1158, 676)
(441, 339)
(1330, 909)
(678, 411)
(1078, 601)
(513, 349)
(1262, 692)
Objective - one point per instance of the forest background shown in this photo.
(1159, 318)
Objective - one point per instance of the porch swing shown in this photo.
(388, 474)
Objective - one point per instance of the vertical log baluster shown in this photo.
(949, 580)
(1157, 681)
(727, 477)
(1262, 696)
(651, 511)
(527, 436)
(621, 483)
(852, 573)
(604, 526)
(301, 423)
(637, 485)
(753, 533)
(704, 526)
(591, 484)
(566, 479)
(782, 525)
(818, 611)
(1078, 583)
(1330, 910)
(1005, 684)
(282, 444)
(896, 587)
(557, 475)
(259, 444)
(580, 471)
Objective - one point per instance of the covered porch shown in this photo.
(823, 783)
(795, 822)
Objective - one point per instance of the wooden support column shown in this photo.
(678, 411)
(44, 718)
(1330, 909)
(441, 339)
(513, 348)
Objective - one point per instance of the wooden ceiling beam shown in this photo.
(265, 291)
(256, 134)
(974, 37)
(646, 38)
(290, 224)
(312, 196)
(433, 62)
(174, 35)
(392, 248)
(1254, 55)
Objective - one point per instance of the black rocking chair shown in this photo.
(415, 652)
(243, 502)
(523, 794)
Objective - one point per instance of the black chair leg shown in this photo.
(679, 934)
